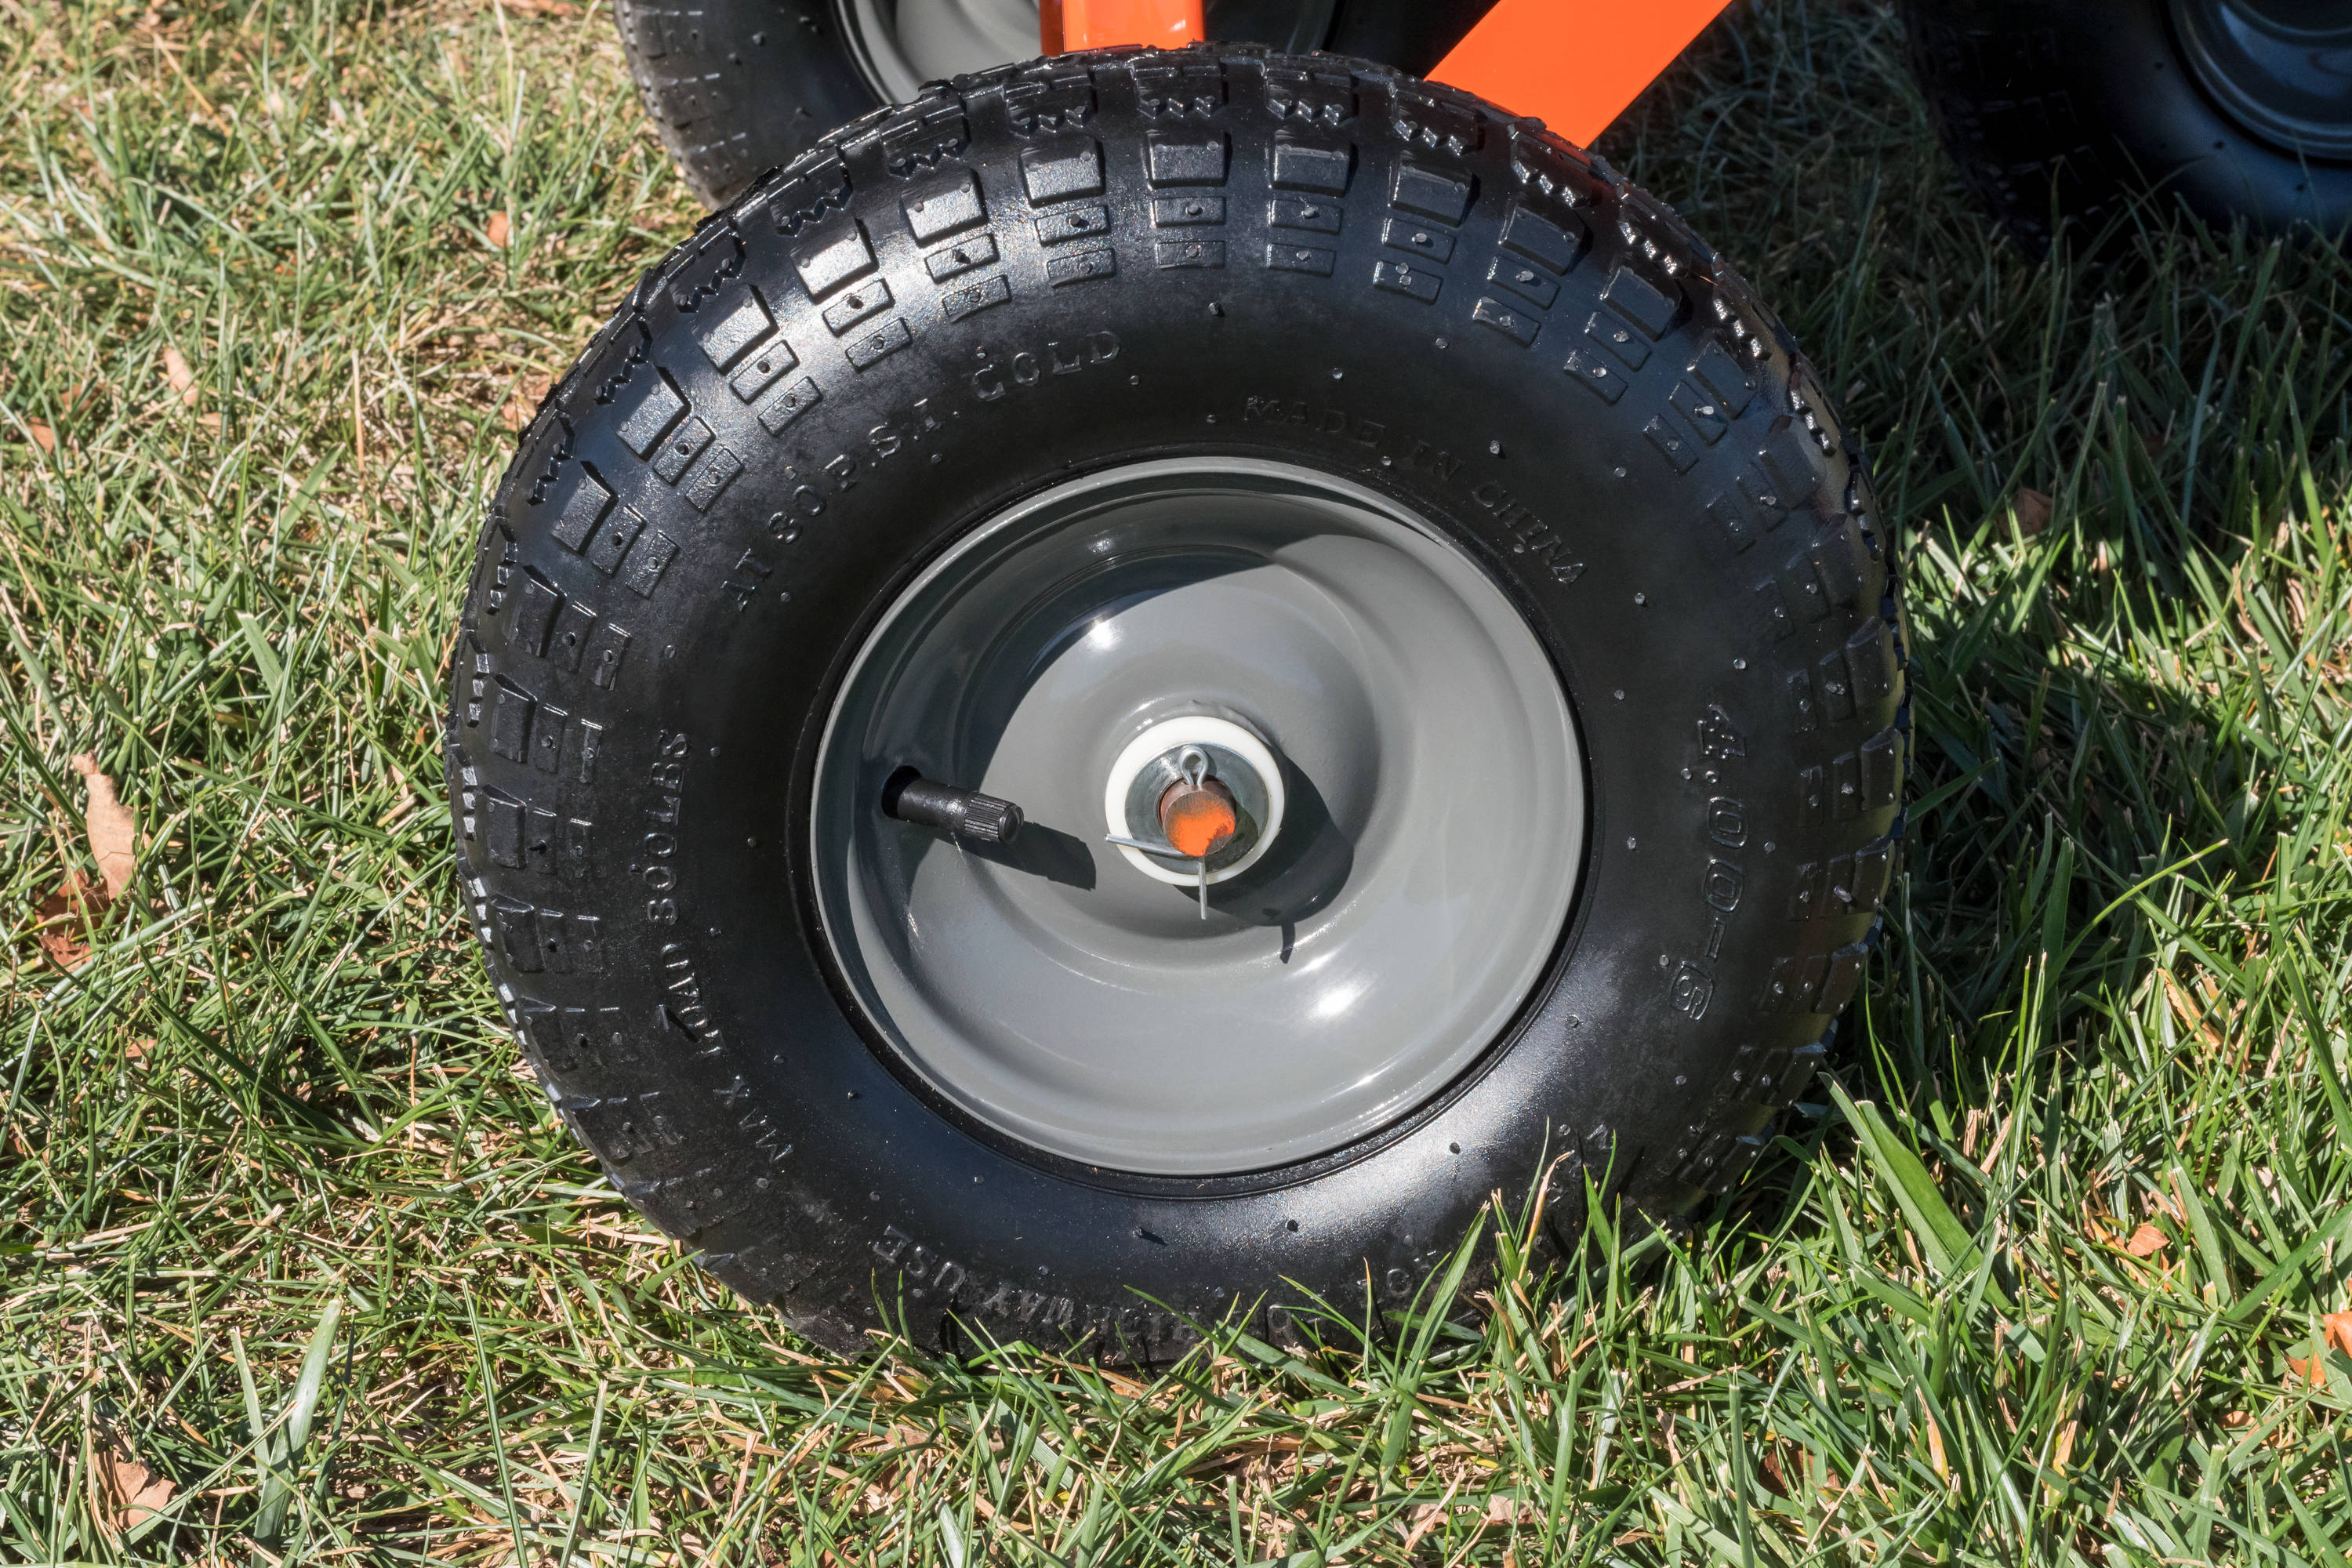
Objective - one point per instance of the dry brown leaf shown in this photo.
(2305, 1369)
(138, 1493)
(2236, 1420)
(2031, 510)
(65, 917)
(113, 832)
(2335, 1327)
(1424, 1515)
(2190, 1014)
(62, 916)
(176, 372)
(2147, 1241)
(1126, 1387)
(498, 230)
(43, 437)
(523, 406)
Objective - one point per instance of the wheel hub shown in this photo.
(1301, 795)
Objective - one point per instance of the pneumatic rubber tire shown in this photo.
(736, 88)
(1333, 268)
(2072, 110)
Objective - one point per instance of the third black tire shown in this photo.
(2073, 110)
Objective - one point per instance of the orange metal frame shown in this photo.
(1573, 64)
(1066, 25)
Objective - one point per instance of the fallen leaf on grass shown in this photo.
(523, 406)
(2190, 1014)
(2147, 1241)
(2335, 1327)
(60, 917)
(2305, 1369)
(2031, 510)
(43, 437)
(1424, 1515)
(498, 230)
(113, 832)
(1500, 1509)
(176, 372)
(78, 903)
(138, 1493)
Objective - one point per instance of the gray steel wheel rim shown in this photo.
(2281, 68)
(1413, 903)
(899, 44)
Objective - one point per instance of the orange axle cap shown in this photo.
(1198, 820)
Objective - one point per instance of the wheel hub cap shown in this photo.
(1217, 685)
(1208, 781)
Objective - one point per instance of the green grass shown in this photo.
(282, 1218)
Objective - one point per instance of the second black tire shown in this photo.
(1390, 294)
(736, 88)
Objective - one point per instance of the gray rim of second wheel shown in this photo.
(899, 44)
(1411, 904)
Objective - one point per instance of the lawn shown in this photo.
(296, 1262)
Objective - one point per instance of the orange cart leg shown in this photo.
(1576, 64)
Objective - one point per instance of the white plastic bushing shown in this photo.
(1193, 730)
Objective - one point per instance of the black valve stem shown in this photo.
(962, 813)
